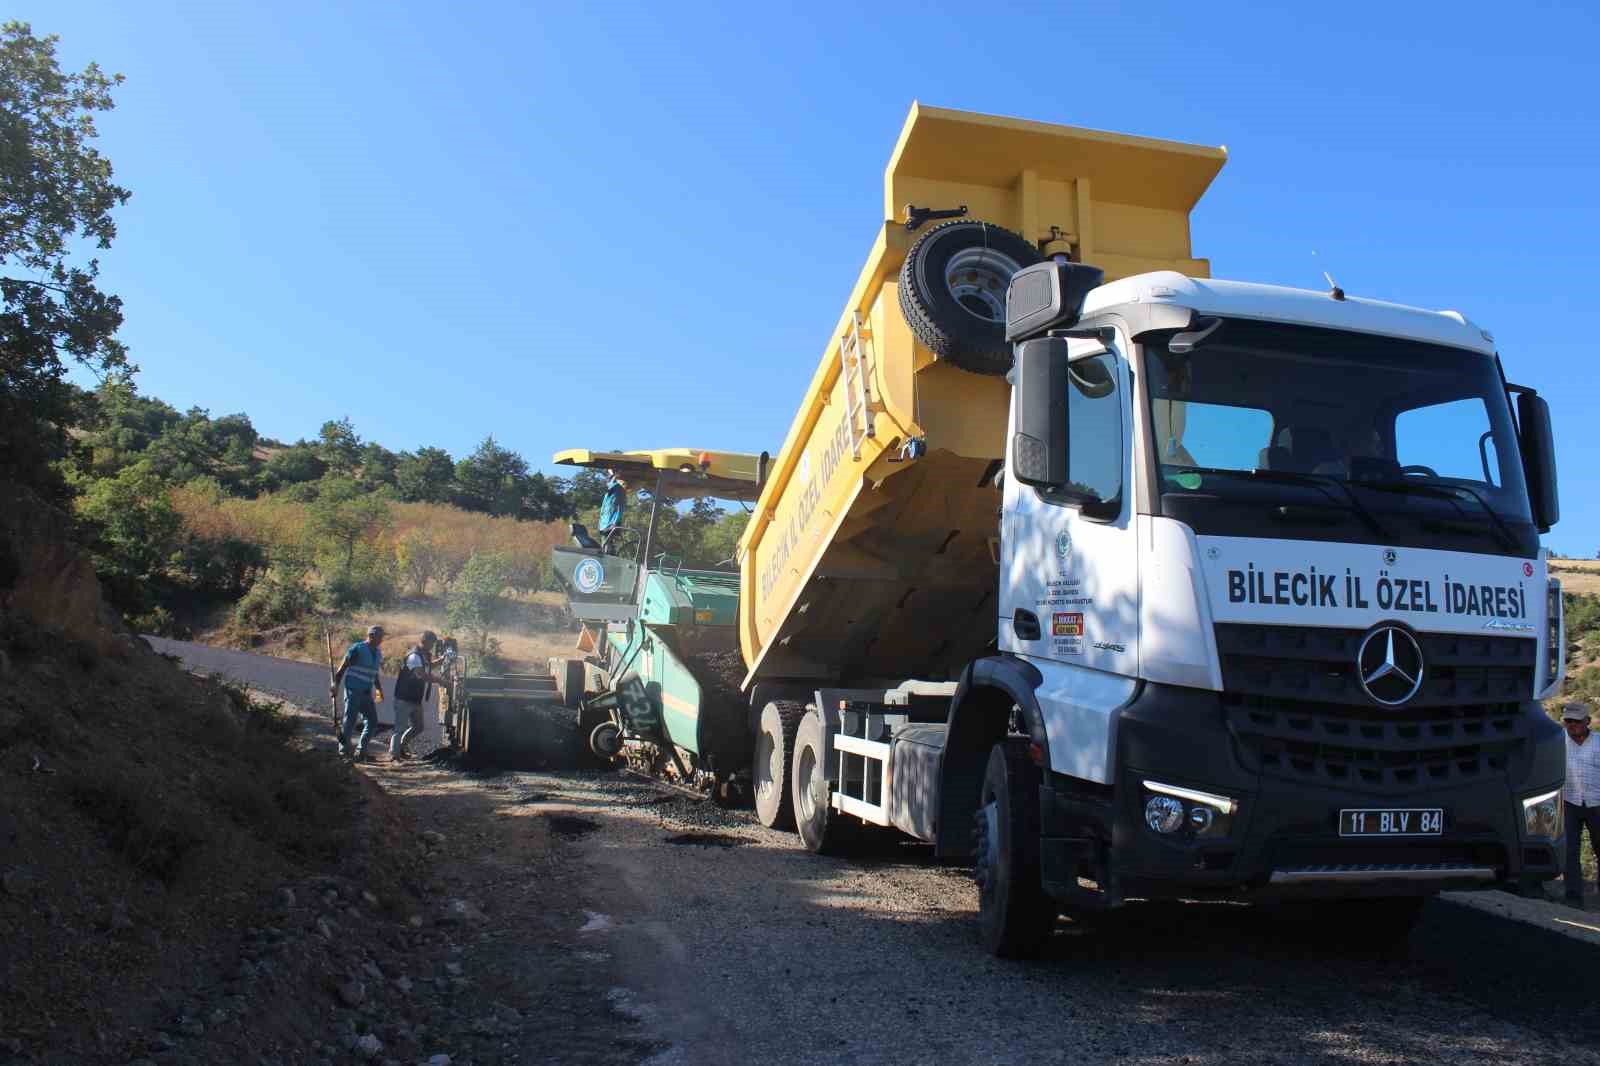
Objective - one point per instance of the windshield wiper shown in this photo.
(1444, 490)
(1316, 481)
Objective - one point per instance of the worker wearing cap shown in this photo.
(612, 505)
(359, 672)
(410, 692)
(1581, 794)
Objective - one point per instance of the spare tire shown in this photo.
(953, 292)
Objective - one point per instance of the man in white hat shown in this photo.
(1581, 795)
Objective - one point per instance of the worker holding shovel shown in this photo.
(362, 686)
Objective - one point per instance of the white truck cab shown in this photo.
(1274, 557)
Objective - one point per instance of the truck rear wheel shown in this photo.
(774, 761)
(953, 292)
(1015, 915)
(821, 828)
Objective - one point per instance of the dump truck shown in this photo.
(1124, 583)
(655, 683)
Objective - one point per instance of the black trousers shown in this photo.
(1577, 818)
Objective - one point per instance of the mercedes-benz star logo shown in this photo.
(1390, 665)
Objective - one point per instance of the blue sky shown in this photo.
(634, 225)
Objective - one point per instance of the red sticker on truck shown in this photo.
(1066, 624)
(1066, 632)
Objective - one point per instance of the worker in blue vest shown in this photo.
(612, 505)
(362, 686)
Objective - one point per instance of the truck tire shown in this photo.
(774, 761)
(953, 292)
(569, 680)
(1014, 914)
(822, 829)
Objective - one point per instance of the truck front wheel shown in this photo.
(1014, 914)
(774, 762)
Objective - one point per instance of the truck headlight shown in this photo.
(1541, 815)
(1163, 814)
(1170, 808)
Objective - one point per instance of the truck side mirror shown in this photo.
(1539, 458)
(1039, 394)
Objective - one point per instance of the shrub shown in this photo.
(279, 598)
(367, 579)
(159, 622)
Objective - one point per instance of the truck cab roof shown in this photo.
(1276, 303)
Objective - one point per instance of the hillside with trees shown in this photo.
(187, 513)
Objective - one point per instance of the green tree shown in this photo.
(425, 477)
(583, 492)
(475, 604)
(378, 465)
(295, 465)
(544, 499)
(418, 555)
(56, 197)
(492, 479)
(344, 516)
(721, 541)
(340, 447)
(197, 445)
(135, 529)
(121, 426)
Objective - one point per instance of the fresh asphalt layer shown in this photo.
(302, 683)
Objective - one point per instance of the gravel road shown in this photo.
(763, 952)
(723, 942)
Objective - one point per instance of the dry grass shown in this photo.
(529, 636)
(1577, 575)
(525, 643)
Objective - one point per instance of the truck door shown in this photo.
(1069, 560)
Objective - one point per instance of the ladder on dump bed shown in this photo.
(855, 365)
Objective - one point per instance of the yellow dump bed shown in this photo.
(860, 564)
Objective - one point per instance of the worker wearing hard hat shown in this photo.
(1581, 795)
(612, 506)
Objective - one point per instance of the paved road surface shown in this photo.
(725, 943)
(303, 683)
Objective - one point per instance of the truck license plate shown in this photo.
(1414, 822)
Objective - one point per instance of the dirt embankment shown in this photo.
(146, 816)
(188, 874)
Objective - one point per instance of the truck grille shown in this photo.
(1297, 708)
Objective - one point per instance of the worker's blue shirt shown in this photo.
(611, 504)
(362, 663)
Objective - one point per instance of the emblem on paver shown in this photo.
(588, 576)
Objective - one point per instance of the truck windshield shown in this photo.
(1336, 436)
